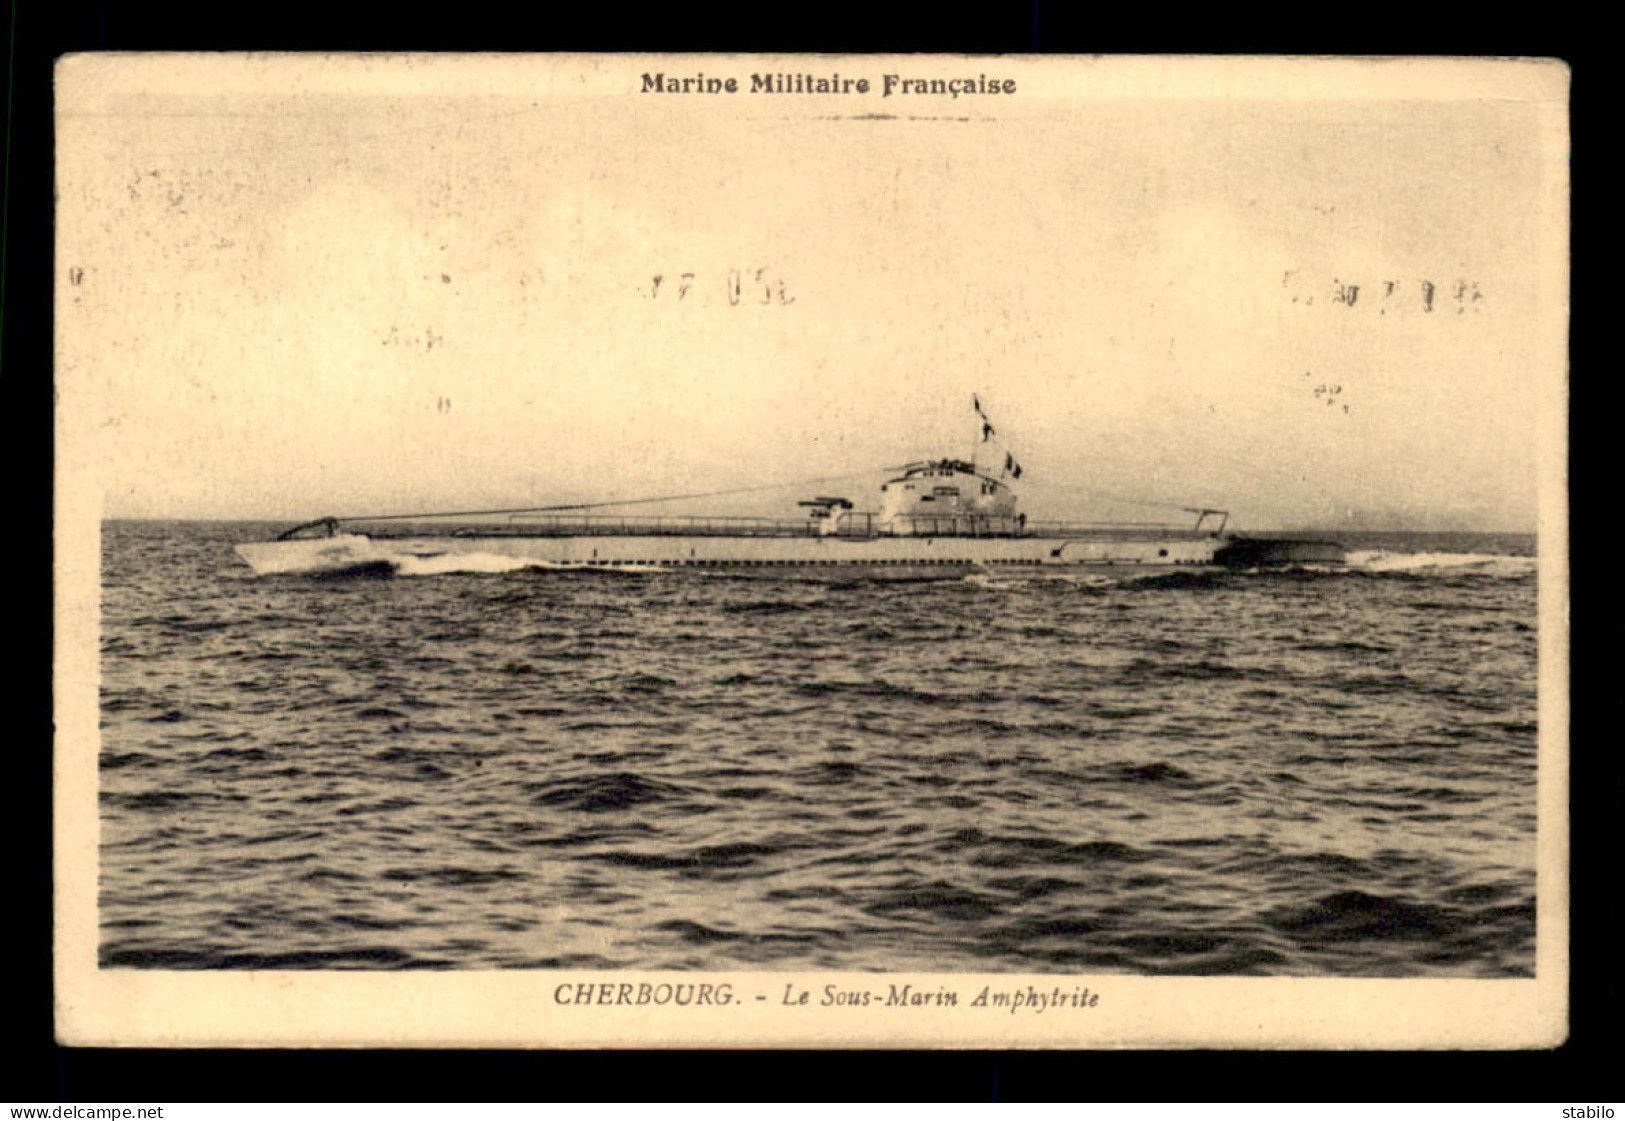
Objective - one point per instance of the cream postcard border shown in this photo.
(126, 1007)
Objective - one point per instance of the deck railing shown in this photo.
(583, 525)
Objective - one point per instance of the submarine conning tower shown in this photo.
(947, 497)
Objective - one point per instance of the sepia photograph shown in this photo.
(833, 550)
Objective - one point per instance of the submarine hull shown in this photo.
(1265, 552)
(839, 558)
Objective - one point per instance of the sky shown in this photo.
(291, 288)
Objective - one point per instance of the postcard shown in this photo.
(811, 551)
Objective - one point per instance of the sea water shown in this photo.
(1323, 772)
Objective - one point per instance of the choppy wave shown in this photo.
(460, 564)
(1293, 773)
(1484, 564)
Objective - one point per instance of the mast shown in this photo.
(1009, 467)
(976, 440)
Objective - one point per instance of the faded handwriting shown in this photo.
(1407, 296)
(426, 341)
(738, 287)
(1329, 392)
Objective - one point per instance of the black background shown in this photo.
(39, 1072)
